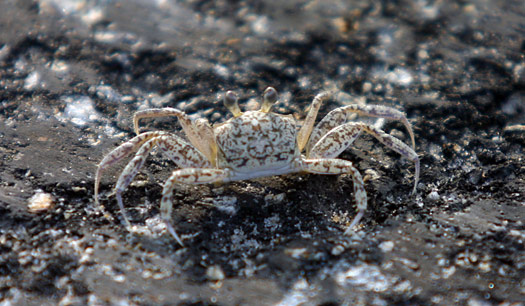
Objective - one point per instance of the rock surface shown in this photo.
(74, 72)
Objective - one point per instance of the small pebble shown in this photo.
(338, 250)
(386, 246)
(433, 196)
(39, 202)
(214, 273)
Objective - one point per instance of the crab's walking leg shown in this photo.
(340, 115)
(173, 147)
(381, 111)
(338, 139)
(121, 152)
(341, 166)
(308, 123)
(333, 119)
(199, 132)
(193, 176)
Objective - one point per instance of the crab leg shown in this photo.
(199, 133)
(333, 119)
(193, 176)
(308, 123)
(341, 166)
(173, 147)
(121, 152)
(381, 111)
(339, 138)
(340, 115)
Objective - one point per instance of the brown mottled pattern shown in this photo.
(256, 140)
(330, 121)
(374, 111)
(336, 141)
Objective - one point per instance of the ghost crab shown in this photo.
(254, 144)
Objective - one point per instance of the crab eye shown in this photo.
(269, 99)
(230, 101)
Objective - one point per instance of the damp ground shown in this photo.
(74, 72)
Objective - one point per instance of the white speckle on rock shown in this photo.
(79, 110)
(398, 76)
(296, 253)
(222, 70)
(32, 80)
(386, 246)
(433, 196)
(337, 250)
(366, 276)
(272, 223)
(226, 204)
(214, 273)
(260, 25)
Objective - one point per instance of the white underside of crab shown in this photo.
(255, 144)
(256, 173)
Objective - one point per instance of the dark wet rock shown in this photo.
(74, 72)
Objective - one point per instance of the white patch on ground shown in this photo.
(398, 76)
(226, 204)
(299, 294)
(367, 277)
(80, 110)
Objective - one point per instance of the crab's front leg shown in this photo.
(341, 137)
(173, 147)
(199, 132)
(120, 153)
(341, 166)
(193, 176)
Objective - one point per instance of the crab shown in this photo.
(254, 144)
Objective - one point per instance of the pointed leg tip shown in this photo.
(350, 229)
(126, 223)
(414, 190)
(173, 233)
(179, 241)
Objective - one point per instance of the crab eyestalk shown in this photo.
(269, 99)
(230, 101)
